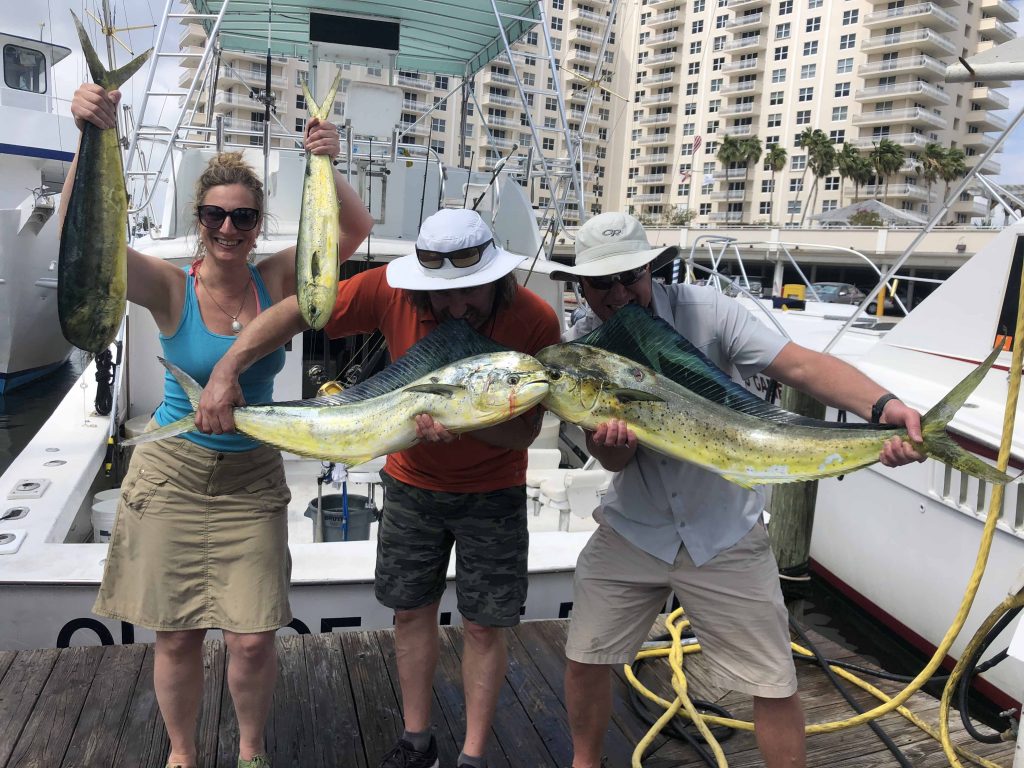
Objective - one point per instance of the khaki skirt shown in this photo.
(200, 541)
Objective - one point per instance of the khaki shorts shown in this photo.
(200, 541)
(734, 604)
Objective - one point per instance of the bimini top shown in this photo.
(454, 37)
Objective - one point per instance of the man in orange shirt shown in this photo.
(442, 490)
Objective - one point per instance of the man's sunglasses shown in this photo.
(462, 258)
(212, 217)
(605, 282)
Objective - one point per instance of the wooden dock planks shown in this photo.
(338, 705)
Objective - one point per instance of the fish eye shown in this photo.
(555, 375)
(512, 380)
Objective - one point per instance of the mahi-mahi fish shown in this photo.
(316, 254)
(462, 379)
(92, 265)
(637, 368)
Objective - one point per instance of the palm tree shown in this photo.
(954, 166)
(846, 165)
(929, 165)
(821, 159)
(808, 139)
(730, 152)
(775, 159)
(750, 152)
(886, 159)
(861, 174)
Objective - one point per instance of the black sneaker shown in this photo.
(404, 756)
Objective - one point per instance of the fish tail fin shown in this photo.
(322, 110)
(193, 390)
(175, 428)
(937, 442)
(115, 78)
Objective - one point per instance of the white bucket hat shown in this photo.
(610, 243)
(448, 230)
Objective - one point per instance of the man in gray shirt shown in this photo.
(684, 529)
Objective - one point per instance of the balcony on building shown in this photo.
(662, 77)
(651, 178)
(417, 129)
(656, 139)
(192, 34)
(990, 166)
(916, 115)
(913, 64)
(746, 43)
(907, 140)
(740, 110)
(1000, 9)
(417, 82)
(737, 130)
(664, 37)
(586, 36)
(249, 78)
(662, 58)
(985, 120)
(731, 174)
(726, 217)
(582, 15)
(654, 119)
(729, 196)
(662, 158)
(743, 5)
(989, 98)
(918, 90)
(649, 198)
(978, 141)
(743, 66)
(901, 191)
(927, 40)
(580, 55)
(660, 3)
(996, 30)
(662, 19)
(488, 98)
(756, 20)
(490, 76)
(926, 14)
(655, 99)
(408, 105)
(495, 142)
(744, 86)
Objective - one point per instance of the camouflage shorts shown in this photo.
(414, 543)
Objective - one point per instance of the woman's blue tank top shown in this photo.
(194, 349)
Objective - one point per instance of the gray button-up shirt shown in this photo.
(657, 503)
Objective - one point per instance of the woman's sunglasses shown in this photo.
(462, 258)
(212, 217)
(605, 282)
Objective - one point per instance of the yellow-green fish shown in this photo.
(316, 255)
(637, 368)
(92, 266)
(485, 384)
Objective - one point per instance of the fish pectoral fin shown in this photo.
(444, 390)
(635, 396)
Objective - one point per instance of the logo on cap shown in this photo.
(612, 232)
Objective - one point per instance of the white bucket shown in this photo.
(104, 511)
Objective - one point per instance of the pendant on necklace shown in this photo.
(236, 327)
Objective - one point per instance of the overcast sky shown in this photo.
(24, 17)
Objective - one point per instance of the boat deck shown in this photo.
(337, 705)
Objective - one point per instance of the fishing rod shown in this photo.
(494, 175)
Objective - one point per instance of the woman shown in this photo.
(201, 538)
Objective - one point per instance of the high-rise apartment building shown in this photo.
(655, 91)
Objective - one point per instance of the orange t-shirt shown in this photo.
(366, 302)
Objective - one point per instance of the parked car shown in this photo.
(837, 293)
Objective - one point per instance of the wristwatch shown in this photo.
(879, 406)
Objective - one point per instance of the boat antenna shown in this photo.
(268, 99)
(426, 167)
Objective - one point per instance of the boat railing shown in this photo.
(718, 249)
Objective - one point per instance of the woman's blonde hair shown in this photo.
(229, 168)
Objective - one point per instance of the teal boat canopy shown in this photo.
(454, 38)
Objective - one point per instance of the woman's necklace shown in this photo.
(236, 325)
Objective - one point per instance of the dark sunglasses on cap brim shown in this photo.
(462, 258)
(627, 278)
(243, 219)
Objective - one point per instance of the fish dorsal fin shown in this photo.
(451, 341)
(635, 334)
